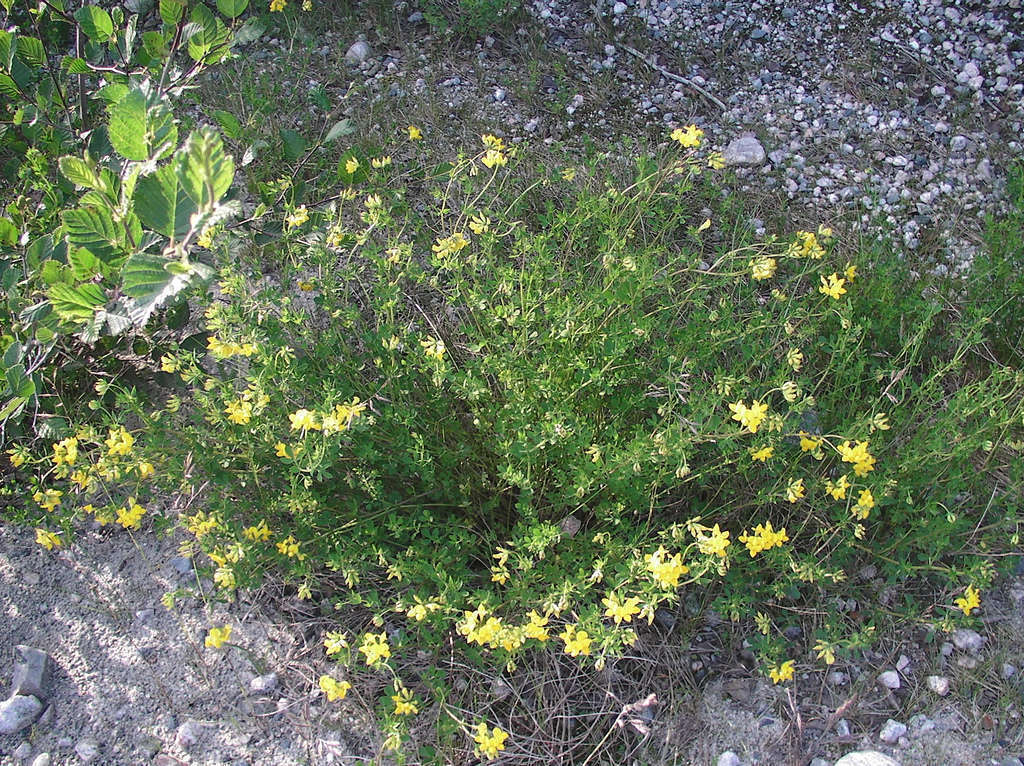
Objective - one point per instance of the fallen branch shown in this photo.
(673, 76)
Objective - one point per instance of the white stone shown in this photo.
(88, 750)
(22, 752)
(892, 731)
(188, 735)
(43, 759)
(358, 52)
(18, 712)
(619, 8)
(938, 684)
(866, 758)
(745, 150)
(968, 640)
(263, 684)
(728, 758)
(890, 679)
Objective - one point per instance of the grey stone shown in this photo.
(728, 758)
(43, 759)
(358, 52)
(18, 712)
(890, 679)
(745, 150)
(866, 758)
(263, 684)
(619, 8)
(820, 762)
(499, 94)
(892, 731)
(968, 640)
(938, 684)
(182, 565)
(88, 750)
(31, 672)
(22, 752)
(843, 727)
(1008, 670)
(150, 745)
(188, 734)
(416, 17)
(958, 143)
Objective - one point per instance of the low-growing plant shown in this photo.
(516, 407)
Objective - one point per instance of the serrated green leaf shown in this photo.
(155, 44)
(228, 123)
(84, 265)
(146, 279)
(162, 204)
(232, 8)
(127, 129)
(209, 45)
(8, 87)
(19, 383)
(74, 65)
(78, 171)
(13, 408)
(111, 94)
(55, 273)
(95, 22)
(76, 303)
(8, 46)
(208, 171)
(95, 229)
(340, 129)
(52, 427)
(294, 144)
(30, 50)
(171, 10)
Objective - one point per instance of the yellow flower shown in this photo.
(837, 490)
(239, 412)
(447, 246)
(762, 268)
(716, 160)
(666, 570)
(492, 142)
(850, 272)
(307, 5)
(536, 627)
(297, 218)
(404, 702)
(277, 5)
(224, 577)
(577, 642)
(289, 547)
(568, 174)
(119, 441)
(764, 538)
(217, 636)
(65, 452)
(18, 456)
(335, 690)
(351, 165)
(304, 419)
(129, 518)
(334, 643)
(715, 543)
(832, 286)
(806, 246)
(809, 443)
(47, 539)
(795, 490)
(433, 347)
(489, 743)
(880, 422)
(620, 611)
(795, 358)
(688, 137)
(145, 469)
(783, 672)
(790, 391)
(480, 223)
(48, 499)
(762, 454)
(971, 600)
(375, 647)
(751, 417)
(415, 134)
(865, 503)
(858, 454)
(493, 158)
(825, 651)
(258, 533)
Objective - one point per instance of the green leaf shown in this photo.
(142, 126)
(55, 273)
(294, 144)
(52, 427)
(8, 46)
(95, 22)
(8, 87)
(79, 172)
(74, 65)
(8, 232)
(155, 44)
(76, 303)
(93, 228)
(208, 171)
(210, 44)
(171, 10)
(162, 204)
(30, 50)
(251, 31)
(232, 8)
(228, 123)
(84, 265)
(19, 383)
(340, 129)
(148, 279)
(13, 408)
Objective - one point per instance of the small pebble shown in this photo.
(890, 679)
(729, 758)
(938, 684)
(892, 731)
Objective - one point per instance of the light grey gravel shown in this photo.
(890, 679)
(968, 640)
(892, 731)
(938, 684)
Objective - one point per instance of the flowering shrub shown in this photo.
(529, 414)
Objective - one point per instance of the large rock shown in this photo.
(31, 673)
(866, 758)
(18, 712)
(745, 150)
(358, 52)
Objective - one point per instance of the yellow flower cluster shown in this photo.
(375, 647)
(832, 286)
(433, 347)
(688, 137)
(119, 441)
(666, 570)
(494, 155)
(762, 455)
(621, 610)
(290, 547)
(130, 517)
(749, 417)
(762, 268)
(783, 672)
(334, 690)
(415, 134)
(577, 642)
(807, 244)
(48, 540)
(970, 601)
(257, 533)
(448, 246)
(764, 538)
(48, 499)
(865, 502)
(838, 488)
(858, 454)
(334, 643)
(297, 217)
(404, 702)
(795, 490)
(714, 543)
(217, 636)
(65, 452)
(238, 411)
(489, 742)
(222, 350)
